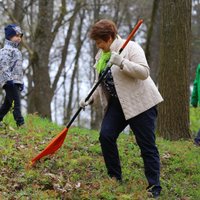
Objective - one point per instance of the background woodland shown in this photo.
(59, 57)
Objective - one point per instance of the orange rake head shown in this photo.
(53, 146)
(56, 143)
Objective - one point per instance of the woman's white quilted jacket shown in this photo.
(135, 88)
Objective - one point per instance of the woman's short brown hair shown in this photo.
(103, 29)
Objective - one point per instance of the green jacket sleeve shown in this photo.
(195, 98)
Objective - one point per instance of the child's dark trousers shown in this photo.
(12, 95)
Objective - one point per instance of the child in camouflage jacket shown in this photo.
(11, 73)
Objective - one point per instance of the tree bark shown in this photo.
(173, 123)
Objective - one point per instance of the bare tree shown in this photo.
(153, 41)
(174, 69)
(42, 41)
(79, 42)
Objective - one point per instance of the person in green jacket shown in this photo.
(195, 99)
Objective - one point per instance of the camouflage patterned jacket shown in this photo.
(10, 63)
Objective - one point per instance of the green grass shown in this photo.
(77, 170)
(194, 120)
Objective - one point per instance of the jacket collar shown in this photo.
(116, 45)
(10, 43)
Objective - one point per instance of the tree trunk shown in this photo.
(18, 13)
(173, 84)
(41, 94)
(153, 41)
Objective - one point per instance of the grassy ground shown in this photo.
(77, 170)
